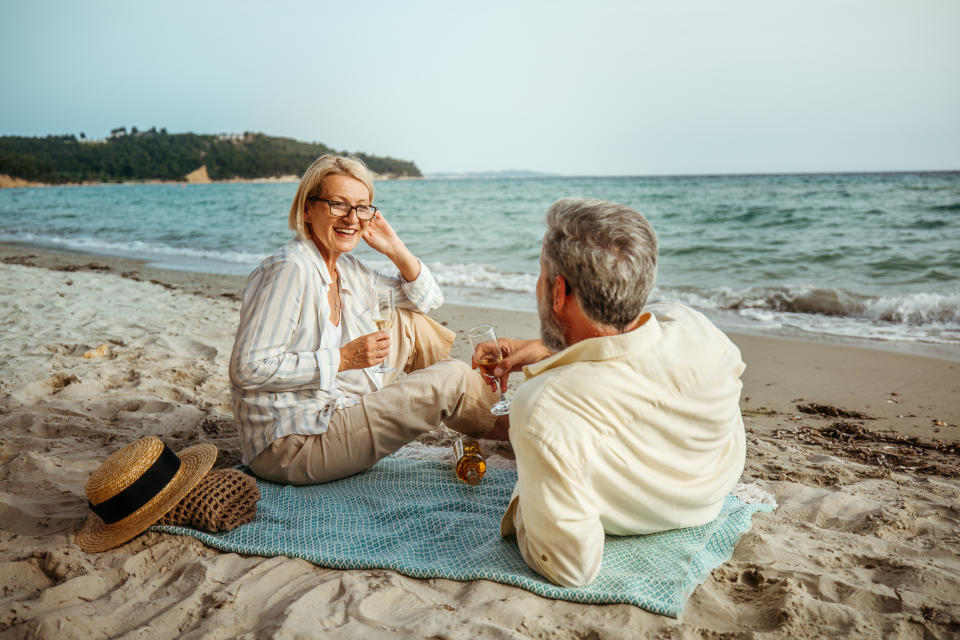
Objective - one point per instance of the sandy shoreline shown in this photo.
(194, 177)
(198, 176)
(865, 541)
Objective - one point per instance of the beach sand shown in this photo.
(865, 541)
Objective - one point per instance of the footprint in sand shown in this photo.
(183, 346)
(130, 378)
(147, 406)
(59, 381)
(185, 377)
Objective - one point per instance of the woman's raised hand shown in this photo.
(365, 351)
(381, 237)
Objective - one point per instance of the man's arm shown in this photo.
(554, 515)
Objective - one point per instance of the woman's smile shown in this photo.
(337, 235)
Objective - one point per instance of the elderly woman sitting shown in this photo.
(309, 404)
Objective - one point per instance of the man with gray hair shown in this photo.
(629, 419)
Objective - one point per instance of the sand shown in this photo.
(865, 542)
(7, 182)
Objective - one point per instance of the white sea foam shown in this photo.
(915, 317)
(483, 277)
(916, 309)
(911, 308)
(166, 255)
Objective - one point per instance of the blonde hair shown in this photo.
(311, 182)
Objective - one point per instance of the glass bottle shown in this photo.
(470, 463)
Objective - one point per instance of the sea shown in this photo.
(864, 258)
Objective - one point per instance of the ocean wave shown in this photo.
(916, 309)
(912, 318)
(483, 277)
(935, 311)
(942, 208)
(925, 224)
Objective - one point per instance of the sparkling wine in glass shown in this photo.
(486, 352)
(383, 313)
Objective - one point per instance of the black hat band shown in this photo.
(143, 489)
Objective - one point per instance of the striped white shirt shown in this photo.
(283, 370)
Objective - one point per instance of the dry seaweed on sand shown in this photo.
(760, 411)
(27, 261)
(90, 266)
(894, 452)
(818, 409)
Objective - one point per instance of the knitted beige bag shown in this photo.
(222, 500)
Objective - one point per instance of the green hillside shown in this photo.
(157, 155)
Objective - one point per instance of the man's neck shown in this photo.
(579, 327)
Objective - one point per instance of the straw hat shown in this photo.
(136, 486)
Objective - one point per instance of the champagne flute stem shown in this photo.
(499, 384)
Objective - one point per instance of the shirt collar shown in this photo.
(314, 254)
(601, 348)
(317, 258)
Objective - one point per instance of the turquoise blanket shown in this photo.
(414, 517)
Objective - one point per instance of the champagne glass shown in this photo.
(486, 351)
(382, 312)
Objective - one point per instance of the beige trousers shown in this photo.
(437, 389)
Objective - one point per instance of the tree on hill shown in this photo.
(145, 155)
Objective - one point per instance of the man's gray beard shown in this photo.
(551, 333)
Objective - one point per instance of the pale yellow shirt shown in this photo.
(627, 434)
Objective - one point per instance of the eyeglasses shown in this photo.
(342, 209)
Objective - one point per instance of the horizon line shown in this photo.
(453, 175)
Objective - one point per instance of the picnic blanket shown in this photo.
(414, 517)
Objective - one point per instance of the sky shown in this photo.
(573, 88)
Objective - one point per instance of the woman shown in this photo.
(308, 405)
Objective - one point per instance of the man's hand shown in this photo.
(516, 355)
(365, 351)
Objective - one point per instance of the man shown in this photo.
(629, 421)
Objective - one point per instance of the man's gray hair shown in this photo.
(607, 253)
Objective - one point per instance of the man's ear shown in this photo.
(560, 291)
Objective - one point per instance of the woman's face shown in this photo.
(331, 234)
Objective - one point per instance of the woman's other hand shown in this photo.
(365, 351)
